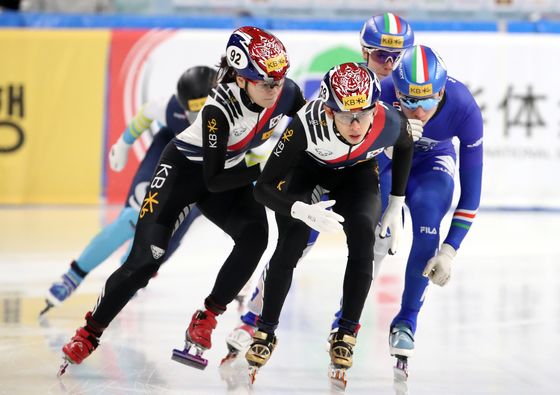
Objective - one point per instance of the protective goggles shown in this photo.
(413, 103)
(347, 117)
(382, 56)
(267, 84)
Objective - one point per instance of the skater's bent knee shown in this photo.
(256, 233)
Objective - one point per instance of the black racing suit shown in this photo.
(298, 163)
(223, 194)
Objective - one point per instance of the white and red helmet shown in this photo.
(350, 86)
(257, 54)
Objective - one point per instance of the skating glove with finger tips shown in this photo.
(392, 219)
(416, 129)
(317, 215)
(118, 155)
(438, 268)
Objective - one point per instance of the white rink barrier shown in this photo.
(512, 76)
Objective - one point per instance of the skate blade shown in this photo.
(195, 361)
(233, 371)
(253, 370)
(229, 358)
(400, 387)
(339, 378)
(400, 370)
(400, 375)
(47, 308)
(62, 368)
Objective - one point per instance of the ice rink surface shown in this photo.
(494, 329)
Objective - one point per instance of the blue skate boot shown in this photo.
(61, 290)
(401, 345)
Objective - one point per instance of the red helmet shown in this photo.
(257, 54)
(350, 86)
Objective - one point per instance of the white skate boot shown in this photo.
(238, 341)
(233, 370)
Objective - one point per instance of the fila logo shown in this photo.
(428, 230)
(274, 121)
(157, 252)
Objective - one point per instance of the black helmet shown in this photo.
(193, 87)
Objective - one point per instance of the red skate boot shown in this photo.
(198, 335)
(81, 345)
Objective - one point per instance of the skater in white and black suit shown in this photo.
(204, 165)
(332, 142)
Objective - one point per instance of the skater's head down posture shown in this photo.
(204, 165)
(350, 95)
(421, 88)
(419, 79)
(383, 38)
(332, 142)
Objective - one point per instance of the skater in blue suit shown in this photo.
(421, 88)
(174, 115)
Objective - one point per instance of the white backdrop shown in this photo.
(512, 76)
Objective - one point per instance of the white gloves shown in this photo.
(416, 129)
(392, 219)
(118, 155)
(438, 268)
(317, 216)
